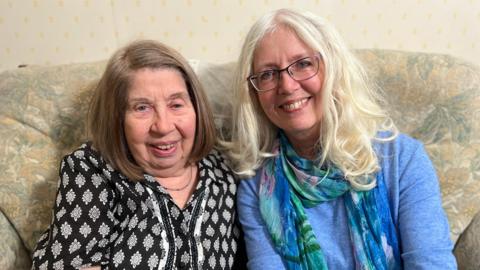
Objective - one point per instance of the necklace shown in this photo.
(185, 186)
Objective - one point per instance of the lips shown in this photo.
(163, 149)
(165, 146)
(295, 105)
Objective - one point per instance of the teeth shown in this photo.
(295, 105)
(165, 146)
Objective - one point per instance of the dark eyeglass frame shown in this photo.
(278, 72)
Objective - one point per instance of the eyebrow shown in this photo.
(269, 65)
(179, 94)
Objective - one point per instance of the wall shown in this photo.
(36, 32)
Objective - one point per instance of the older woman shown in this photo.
(331, 184)
(148, 191)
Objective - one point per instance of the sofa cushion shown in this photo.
(216, 80)
(14, 254)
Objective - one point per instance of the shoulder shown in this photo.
(216, 166)
(248, 187)
(216, 156)
(401, 147)
(405, 163)
(388, 138)
(85, 156)
(404, 159)
(84, 152)
(82, 155)
(86, 162)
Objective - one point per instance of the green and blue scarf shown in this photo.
(289, 184)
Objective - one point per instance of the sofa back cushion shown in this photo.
(42, 117)
(436, 99)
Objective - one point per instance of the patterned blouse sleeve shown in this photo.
(83, 220)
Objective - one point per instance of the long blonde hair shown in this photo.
(351, 116)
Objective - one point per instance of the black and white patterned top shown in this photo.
(102, 218)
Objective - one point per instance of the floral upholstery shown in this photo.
(42, 115)
(435, 98)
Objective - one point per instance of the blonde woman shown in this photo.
(330, 182)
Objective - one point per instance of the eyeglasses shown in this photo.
(300, 70)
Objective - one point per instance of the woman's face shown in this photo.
(159, 121)
(293, 106)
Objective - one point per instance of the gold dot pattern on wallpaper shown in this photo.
(59, 32)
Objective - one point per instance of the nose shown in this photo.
(286, 84)
(161, 122)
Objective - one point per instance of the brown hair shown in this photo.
(109, 102)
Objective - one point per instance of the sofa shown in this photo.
(434, 98)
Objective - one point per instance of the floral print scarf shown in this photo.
(289, 184)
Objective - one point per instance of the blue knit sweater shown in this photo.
(415, 204)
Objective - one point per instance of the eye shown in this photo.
(304, 63)
(141, 107)
(177, 103)
(266, 75)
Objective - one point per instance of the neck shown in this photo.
(181, 188)
(180, 182)
(304, 145)
(306, 151)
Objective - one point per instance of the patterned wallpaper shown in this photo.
(47, 32)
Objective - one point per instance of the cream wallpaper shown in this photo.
(48, 32)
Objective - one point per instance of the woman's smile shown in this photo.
(163, 150)
(293, 106)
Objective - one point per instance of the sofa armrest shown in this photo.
(467, 248)
(13, 252)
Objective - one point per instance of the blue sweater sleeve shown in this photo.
(421, 221)
(260, 251)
